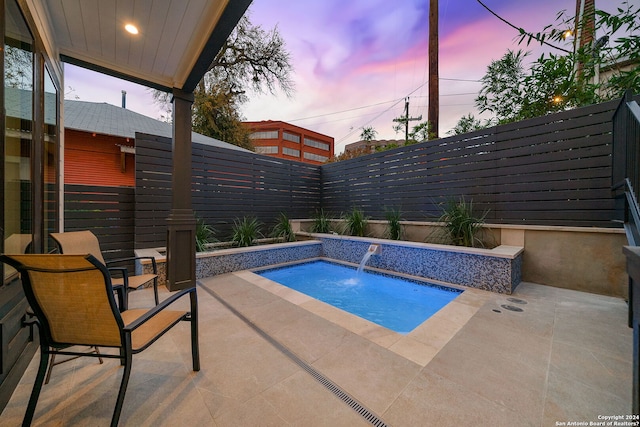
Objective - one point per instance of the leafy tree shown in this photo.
(421, 132)
(502, 91)
(555, 82)
(216, 114)
(251, 60)
(468, 124)
(352, 154)
(18, 70)
(620, 54)
(368, 134)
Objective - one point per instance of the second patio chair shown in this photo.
(72, 299)
(85, 242)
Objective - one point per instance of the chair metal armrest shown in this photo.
(135, 258)
(30, 320)
(156, 309)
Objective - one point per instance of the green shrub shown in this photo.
(204, 235)
(356, 222)
(460, 225)
(394, 228)
(321, 222)
(282, 228)
(246, 231)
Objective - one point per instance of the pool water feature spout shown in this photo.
(373, 250)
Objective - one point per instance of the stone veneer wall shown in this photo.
(228, 260)
(496, 270)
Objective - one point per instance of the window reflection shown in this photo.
(50, 159)
(18, 86)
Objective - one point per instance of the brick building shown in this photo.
(371, 146)
(99, 145)
(287, 141)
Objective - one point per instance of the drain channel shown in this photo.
(326, 382)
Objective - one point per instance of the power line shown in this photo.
(343, 111)
(521, 30)
(460, 80)
(375, 118)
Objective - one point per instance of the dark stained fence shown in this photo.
(107, 211)
(552, 170)
(227, 184)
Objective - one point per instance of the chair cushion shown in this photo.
(151, 329)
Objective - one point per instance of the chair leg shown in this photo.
(37, 386)
(155, 290)
(195, 348)
(128, 359)
(51, 363)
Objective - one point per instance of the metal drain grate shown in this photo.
(511, 308)
(516, 300)
(326, 382)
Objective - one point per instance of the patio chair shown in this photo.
(15, 244)
(73, 301)
(85, 242)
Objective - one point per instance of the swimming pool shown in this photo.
(395, 303)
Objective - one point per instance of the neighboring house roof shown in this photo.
(108, 119)
(17, 103)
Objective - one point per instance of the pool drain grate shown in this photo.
(516, 300)
(511, 308)
(324, 381)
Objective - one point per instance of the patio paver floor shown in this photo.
(566, 357)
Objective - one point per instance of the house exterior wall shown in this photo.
(287, 141)
(95, 159)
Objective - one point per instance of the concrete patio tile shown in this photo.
(253, 412)
(566, 357)
(571, 400)
(474, 297)
(165, 400)
(496, 335)
(501, 378)
(415, 351)
(537, 318)
(311, 337)
(301, 401)
(432, 400)
(594, 329)
(373, 375)
(600, 370)
(435, 332)
(379, 335)
(278, 315)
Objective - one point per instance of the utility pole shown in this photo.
(585, 29)
(406, 119)
(434, 91)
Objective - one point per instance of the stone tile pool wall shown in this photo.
(497, 270)
(237, 259)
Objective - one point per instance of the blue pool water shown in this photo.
(392, 302)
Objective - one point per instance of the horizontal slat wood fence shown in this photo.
(552, 170)
(107, 211)
(227, 184)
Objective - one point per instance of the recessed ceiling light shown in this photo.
(131, 28)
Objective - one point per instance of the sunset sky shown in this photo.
(355, 62)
